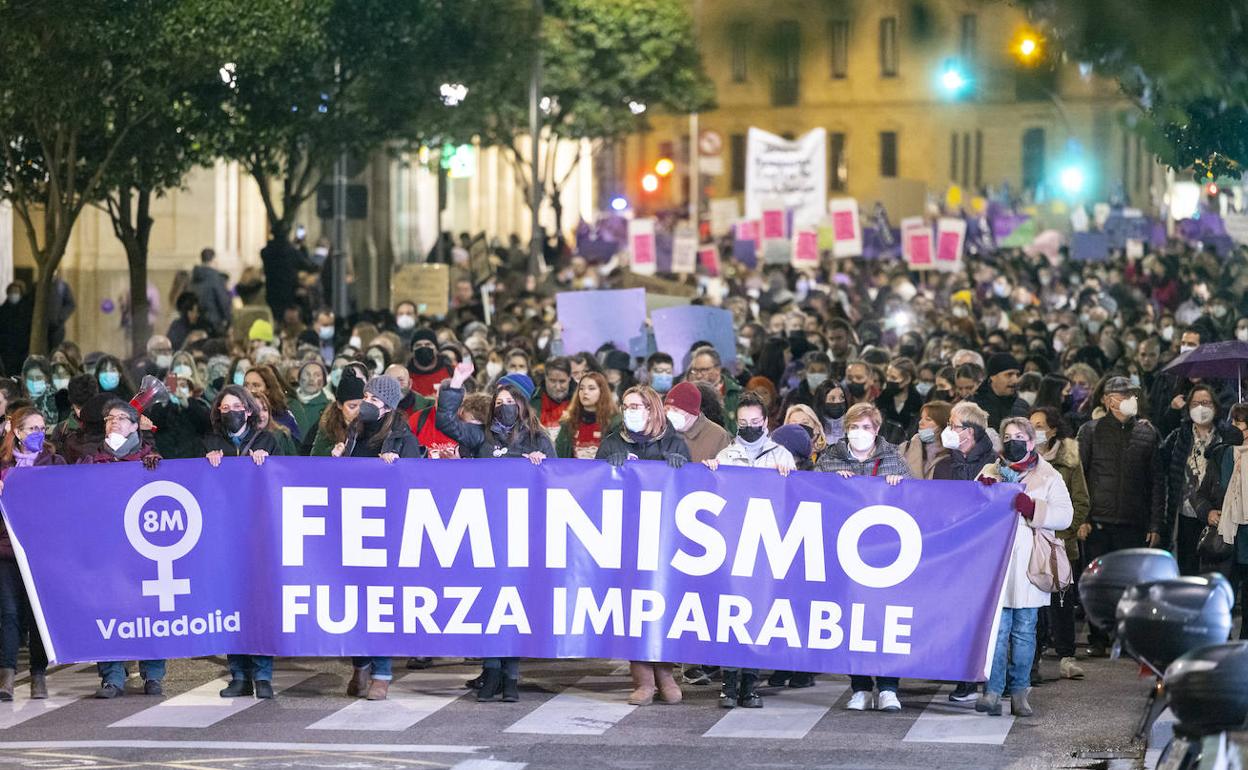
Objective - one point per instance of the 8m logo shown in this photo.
(163, 521)
(166, 587)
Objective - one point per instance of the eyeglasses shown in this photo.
(117, 418)
(703, 370)
(636, 408)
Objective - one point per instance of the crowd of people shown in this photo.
(1023, 367)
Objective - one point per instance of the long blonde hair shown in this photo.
(657, 423)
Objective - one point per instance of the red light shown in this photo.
(1211, 189)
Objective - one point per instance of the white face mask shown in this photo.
(115, 440)
(1130, 407)
(405, 322)
(1041, 437)
(1242, 334)
(1029, 396)
(1167, 333)
(1186, 348)
(635, 420)
(493, 369)
(676, 419)
(860, 440)
(1202, 415)
(949, 438)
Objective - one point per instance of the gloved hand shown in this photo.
(1025, 505)
(151, 461)
(618, 459)
(676, 461)
(987, 480)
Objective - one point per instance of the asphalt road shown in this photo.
(572, 714)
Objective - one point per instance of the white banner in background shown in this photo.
(794, 173)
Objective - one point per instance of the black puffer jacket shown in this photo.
(255, 441)
(1173, 464)
(998, 407)
(670, 443)
(1120, 463)
(476, 441)
(966, 467)
(399, 440)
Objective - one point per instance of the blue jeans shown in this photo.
(867, 684)
(380, 667)
(114, 671)
(1016, 642)
(14, 616)
(257, 668)
(510, 666)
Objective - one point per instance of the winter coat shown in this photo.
(399, 441)
(924, 465)
(885, 460)
(907, 416)
(772, 455)
(999, 408)
(565, 442)
(1120, 465)
(478, 440)
(1044, 485)
(620, 441)
(44, 458)
(1064, 457)
(102, 455)
(180, 429)
(1220, 457)
(732, 395)
(254, 441)
(1172, 463)
(966, 466)
(706, 439)
(208, 283)
(307, 415)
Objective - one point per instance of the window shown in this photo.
(838, 171)
(737, 148)
(888, 47)
(838, 35)
(888, 153)
(738, 33)
(979, 159)
(966, 159)
(788, 55)
(969, 43)
(953, 157)
(1033, 158)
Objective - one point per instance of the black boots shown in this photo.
(728, 693)
(748, 697)
(491, 685)
(511, 692)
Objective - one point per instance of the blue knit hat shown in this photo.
(793, 438)
(521, 382)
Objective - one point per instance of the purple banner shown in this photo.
(573, 558)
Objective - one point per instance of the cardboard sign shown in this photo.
(774, 224)
(479, 260)
(592, 318)
(677, 328)
(685, 250)
(806, 248)
(428, 286)
(723, 212)
(916, 243)
(950, 241)
(1089, 247)
(641, 245)
(846, 227)
(791, 174)
(708, 258)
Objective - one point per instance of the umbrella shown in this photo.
(1217, 360)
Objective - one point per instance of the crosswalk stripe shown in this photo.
(579, 711)
(410, 700)
(945, 722)
(788, 714)
(489, 764)
(65, 686)
(203, 706)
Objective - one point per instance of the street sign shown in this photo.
(710, 142)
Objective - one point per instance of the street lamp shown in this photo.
(1072, 179)
(952, 78)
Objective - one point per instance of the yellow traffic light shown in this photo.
(1027, 47)
(664, 167)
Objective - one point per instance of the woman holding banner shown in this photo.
(379, 430)
(23, 447)
(236, 432)
(1045, 504)
(646, 435)
(513, 431)
(864, 453)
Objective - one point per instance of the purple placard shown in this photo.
(677, 328)
(1089, 247)
(594, 317)
(746, 252)
(351, 556)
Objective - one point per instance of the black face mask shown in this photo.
(857, 389)
(835, 411)
(891, 389)
(506, 414)
(369, 413)
(234, 421)
(750, 433)
(942, 395)
(1014, 450)
(424, 357)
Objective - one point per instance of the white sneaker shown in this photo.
(1070, 669)
(860, 701)
(888, 701)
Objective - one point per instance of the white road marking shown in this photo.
(351, 748)
(65, 686)
(788, 714)
(945, 722)
(577, 711)
(203, 706)
(410, 700)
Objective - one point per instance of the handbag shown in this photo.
(1212, 548)
(1049, 567)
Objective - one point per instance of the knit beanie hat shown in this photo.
(350, 387)
(1002, 362)
(794, 438)
(521, 382)
(387, 389)
(686, 397)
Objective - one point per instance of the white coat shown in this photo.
(1054, 511)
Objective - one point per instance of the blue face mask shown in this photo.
(36, 388)
(239, 376)
(661, 381)
(109, 380)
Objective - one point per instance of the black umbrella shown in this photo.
(1217, 360)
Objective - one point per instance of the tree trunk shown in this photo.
(556, 203)
(136, 243)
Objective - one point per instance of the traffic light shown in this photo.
(650, 183)
(1028, 47)
(1211, 189)
(953, 78)
(664, 167)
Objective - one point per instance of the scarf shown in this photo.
(131, 444)
(1014, 472)
(1235, 504)
(23, 459)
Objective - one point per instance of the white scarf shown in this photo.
(1235, 504)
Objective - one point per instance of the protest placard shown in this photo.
(846, 227)
(916, 243)
(677, 328)
(428, 286)
(643, 253)
(685, 249)
(792, 173)
(589, 319)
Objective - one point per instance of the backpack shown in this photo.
(1049, 567)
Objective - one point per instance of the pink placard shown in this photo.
(773, 224)
(843, 225)
(920, 248)
(708, 257)
(748, 230)
(806, 251)
(948, 246)
(643, 249)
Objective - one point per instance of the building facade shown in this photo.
(947, 92)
